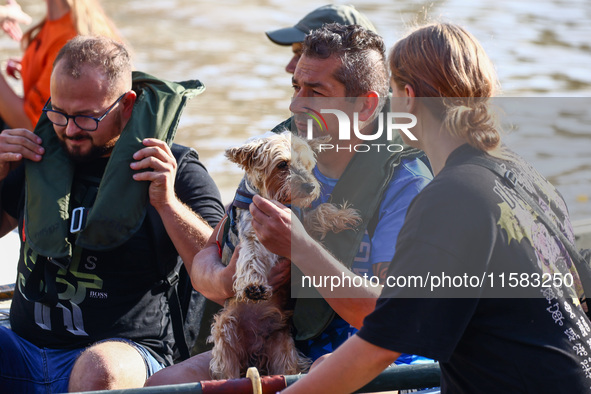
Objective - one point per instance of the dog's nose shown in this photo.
(308, 187)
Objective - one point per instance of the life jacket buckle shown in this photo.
(78, 220)
(61, 262)
(172, 279)
(511, 178)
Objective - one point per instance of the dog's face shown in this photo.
(280, 167)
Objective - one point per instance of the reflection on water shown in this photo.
(540, 49)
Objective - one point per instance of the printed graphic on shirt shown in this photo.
(519, 221)
(72, 289)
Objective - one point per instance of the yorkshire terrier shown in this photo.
(254, 329)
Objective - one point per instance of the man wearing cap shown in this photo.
(332, 13)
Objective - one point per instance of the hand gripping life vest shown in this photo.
(120, 205)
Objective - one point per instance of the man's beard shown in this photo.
(95, 152)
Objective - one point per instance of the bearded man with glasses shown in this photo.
(105, 204)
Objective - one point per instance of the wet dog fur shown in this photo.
(253, 329)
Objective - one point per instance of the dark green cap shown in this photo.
(343, 14)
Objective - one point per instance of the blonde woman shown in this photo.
(64, 20)
(467, 221)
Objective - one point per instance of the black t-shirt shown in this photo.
(467, 221)
(115, 293)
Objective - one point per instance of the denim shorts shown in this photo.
(25, 368)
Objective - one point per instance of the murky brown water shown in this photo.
(540, 48)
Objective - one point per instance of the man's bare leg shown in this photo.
(106, 366)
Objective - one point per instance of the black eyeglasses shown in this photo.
(84, 122)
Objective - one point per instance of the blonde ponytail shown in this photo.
(445, 61)
(474, 122)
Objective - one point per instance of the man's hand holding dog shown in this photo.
(280, 274)
(285, 235)
(275, 227)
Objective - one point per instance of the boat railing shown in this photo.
(399, 377)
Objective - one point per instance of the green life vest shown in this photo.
(121, 202)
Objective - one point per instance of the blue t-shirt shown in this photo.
(409, 178)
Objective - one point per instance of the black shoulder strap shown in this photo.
(512, 181)
(373, 222)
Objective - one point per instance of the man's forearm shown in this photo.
(352, 302)
(207, 275)
(187, 230)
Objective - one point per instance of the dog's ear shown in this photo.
(242, 155)
(316, 142)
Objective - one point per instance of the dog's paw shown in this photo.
(346, 218)
(257, 292)
(329, 217)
